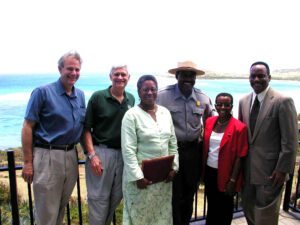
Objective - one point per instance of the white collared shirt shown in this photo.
(260, 97)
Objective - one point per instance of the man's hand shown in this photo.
(27, 172)
(171, 176)
(278, 177)
(96, 166)
(142, 183)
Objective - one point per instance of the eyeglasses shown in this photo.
(226, 105)
(146, 90)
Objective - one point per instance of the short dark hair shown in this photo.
(261, 63)
(144, 78)
(224, 94)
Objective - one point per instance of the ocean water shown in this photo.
(15, 91)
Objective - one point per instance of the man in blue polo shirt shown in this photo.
(53, 125)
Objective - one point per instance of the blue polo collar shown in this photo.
(61, 90)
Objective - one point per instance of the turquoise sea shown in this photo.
(15, 91)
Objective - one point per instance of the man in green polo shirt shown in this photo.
(102, 139)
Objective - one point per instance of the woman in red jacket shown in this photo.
(225, 143)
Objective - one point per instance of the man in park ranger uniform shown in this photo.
(189, 108)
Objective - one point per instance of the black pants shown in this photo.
(220, 206)
(185, 181)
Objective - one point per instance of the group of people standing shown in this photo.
(256, 152)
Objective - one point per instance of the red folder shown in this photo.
(157, 169)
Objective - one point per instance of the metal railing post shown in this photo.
(79, 199)
(68, 214)
(297, 189)
(30, 203)
(0, 212)
(13, 187)
(288, 191)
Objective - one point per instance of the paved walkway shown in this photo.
(284, 219)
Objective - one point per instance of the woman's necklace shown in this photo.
(149, 110)
(223, 122)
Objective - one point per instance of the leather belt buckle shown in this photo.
(56, 147)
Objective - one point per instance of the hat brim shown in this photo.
(198, 72)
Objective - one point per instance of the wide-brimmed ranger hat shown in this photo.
(187, 66)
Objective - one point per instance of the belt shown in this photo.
(107, 146)
(56, 147)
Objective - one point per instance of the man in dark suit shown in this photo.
(273, 139)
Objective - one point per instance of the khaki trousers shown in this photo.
(104, 192)
(55, 175)
(261, 204)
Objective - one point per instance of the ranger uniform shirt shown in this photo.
(188, 114)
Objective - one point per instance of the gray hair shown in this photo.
(72, 54)
(144, 78)
(114, 67)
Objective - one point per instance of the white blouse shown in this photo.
(214, 146)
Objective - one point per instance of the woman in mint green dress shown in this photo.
(147, 132)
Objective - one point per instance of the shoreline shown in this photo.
(280, 77)
(13, 102)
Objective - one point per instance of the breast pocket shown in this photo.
(176, 112)
(195, 117)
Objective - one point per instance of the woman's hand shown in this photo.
(171, 176)
(230, 188)
(142, 183)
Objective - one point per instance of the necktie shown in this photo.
(254, 114)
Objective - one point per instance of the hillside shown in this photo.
(282, 74)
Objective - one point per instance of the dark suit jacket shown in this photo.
(234, 144)
(274, 142)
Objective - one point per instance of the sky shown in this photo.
(149, 36)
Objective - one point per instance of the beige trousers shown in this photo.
(55, 175)
(104, 192)
(261, 204)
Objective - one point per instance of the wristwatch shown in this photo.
(92, 155)
(232, 180)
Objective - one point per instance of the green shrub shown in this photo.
(6, 217)
(119, 213)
